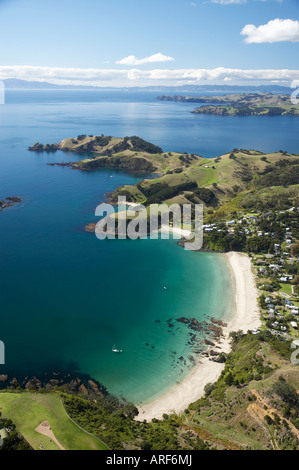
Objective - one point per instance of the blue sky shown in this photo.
(39, 38)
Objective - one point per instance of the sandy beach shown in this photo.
(176, 231)
(246, 318)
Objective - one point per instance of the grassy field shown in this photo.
(29, 410)
(286, 288)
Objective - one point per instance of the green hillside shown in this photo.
(241, 179)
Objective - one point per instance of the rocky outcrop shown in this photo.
(216, 331)
(209, 343)
(183, 320)
(14, 382)
(10, 201)
(83, 390)
(37, 147)
(90, 228)
(218, 322)
(63, 381)
(33, 384)
(95, 388)
(60, 164)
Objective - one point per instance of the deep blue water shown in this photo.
(67, 297)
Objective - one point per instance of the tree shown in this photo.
(209, 388)
(130, 410)
(295, 249)
(286, 392)
(229, 379)
(236, 335)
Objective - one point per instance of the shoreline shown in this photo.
(246, 317)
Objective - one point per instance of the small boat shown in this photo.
(116, 350)
(165, 288)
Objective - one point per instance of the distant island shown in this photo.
(242, 104)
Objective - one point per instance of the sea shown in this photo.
(66, 298)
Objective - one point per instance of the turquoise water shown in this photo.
(66, 297)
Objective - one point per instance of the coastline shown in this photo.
(246, 317)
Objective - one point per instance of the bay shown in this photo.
(66, 297)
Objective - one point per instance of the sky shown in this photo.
(150, 42)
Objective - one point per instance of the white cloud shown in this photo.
(135, 76)
(219, 73)
(228, 2)
(239, 2)
(132, 60)
(274, 31)
(28, 72)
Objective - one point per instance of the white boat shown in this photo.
(116, 350)
(165, 288)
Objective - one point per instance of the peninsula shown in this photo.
(241, 104)
(239, 180)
